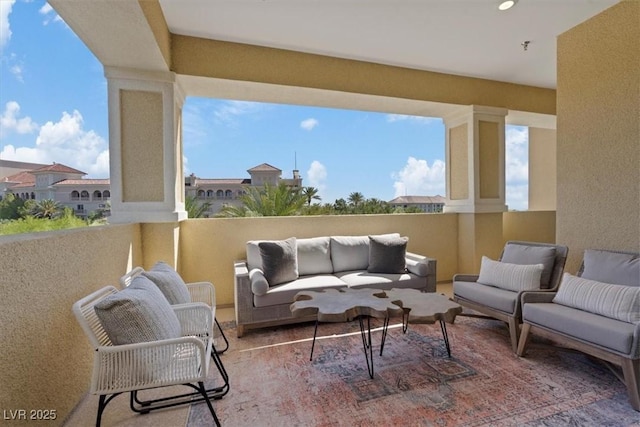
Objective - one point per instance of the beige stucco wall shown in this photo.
(598, 133)
(488, 159)
(458, 162)
(530, 226)
(45, 360)
(542, 169)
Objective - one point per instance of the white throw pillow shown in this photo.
(614, 301)
(513, 277)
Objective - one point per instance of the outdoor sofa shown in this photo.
(276, 270)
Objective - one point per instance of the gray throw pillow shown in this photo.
(387, 254)
(138, 313)
(169, 282)
(279, 260)
(529, 255)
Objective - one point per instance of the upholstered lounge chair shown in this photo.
(596, 312)
(501, 299)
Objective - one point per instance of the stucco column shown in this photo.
(475, 160)
(475, 147)
(542, 169)
(145, 146)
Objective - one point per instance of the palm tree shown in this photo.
(356, 198)
(46, 208)
(269, 200)
(310, 193)
(194, 208)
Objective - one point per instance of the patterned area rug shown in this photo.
(273, 383)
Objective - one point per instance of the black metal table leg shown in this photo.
(366, 344)
(445, 336)
(313, 344)
(385, 328)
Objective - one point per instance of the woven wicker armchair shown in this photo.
(504, 304)
(200, 292)
(146, 365)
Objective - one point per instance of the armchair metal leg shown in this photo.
(226, 342)
(102, 404)
(219, 392)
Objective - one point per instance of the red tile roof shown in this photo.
(57, 167)
(265, 167)
(83, 182)
(21, 177)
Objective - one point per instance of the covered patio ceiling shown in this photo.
(460, 37)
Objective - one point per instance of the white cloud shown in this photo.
(317, 176)
(417, 178)
(517, 167)
(230, 110)
(417, 119)
(49, 14)
(5, 27)
(65, 142)
(16, 70)
(309, 124)
(10, 121)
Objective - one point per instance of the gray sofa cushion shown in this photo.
(497, 298)
(169, 282)
(603, 331)
(314, 256)
(611, 267)
(138, 313)
(614, 301)
(349, 253)
(523, 254)
(364, 279)
(279, 260)
(387, 254)
(259, 284)
(513, 277)
(284, 293)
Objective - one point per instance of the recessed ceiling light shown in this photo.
(507, 4)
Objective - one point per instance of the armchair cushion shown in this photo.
(614, 301)
(169, 282)
(513, 277)
(611, 267)
(279, 260)
(387, 254)
(138, 313)
(528, 255)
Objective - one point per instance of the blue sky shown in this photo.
(53, 108)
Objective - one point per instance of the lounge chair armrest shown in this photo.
(537, 296)
(196, 319)
(465, 278)
(202, 292)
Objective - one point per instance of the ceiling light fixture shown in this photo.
(507, 4)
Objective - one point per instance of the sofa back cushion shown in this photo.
(528, 255)
(611, 267)
(314, 256)
(614, 301)
(512, 277)
(349, 253)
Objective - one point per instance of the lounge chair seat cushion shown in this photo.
(499, 299)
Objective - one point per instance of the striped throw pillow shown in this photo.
(614, 301)
(513, 277)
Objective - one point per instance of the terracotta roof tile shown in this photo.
(57, 167)
(265, 167)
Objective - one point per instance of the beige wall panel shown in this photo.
(478, 234)
(141, 146)
(599, 133)
(208, 247)
(160, 242)
(542, 169)
(488, 159)
(459, 162)
(539, 226)
(46, 361)
(235, 61)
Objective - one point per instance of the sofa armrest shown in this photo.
(420, 265)
(465, 278)
(537, 296)
(243, 296)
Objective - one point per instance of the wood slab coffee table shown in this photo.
(345, 305)
(421, 307)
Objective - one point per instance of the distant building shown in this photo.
(33, 181)
(221, 192)
(427, 204)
